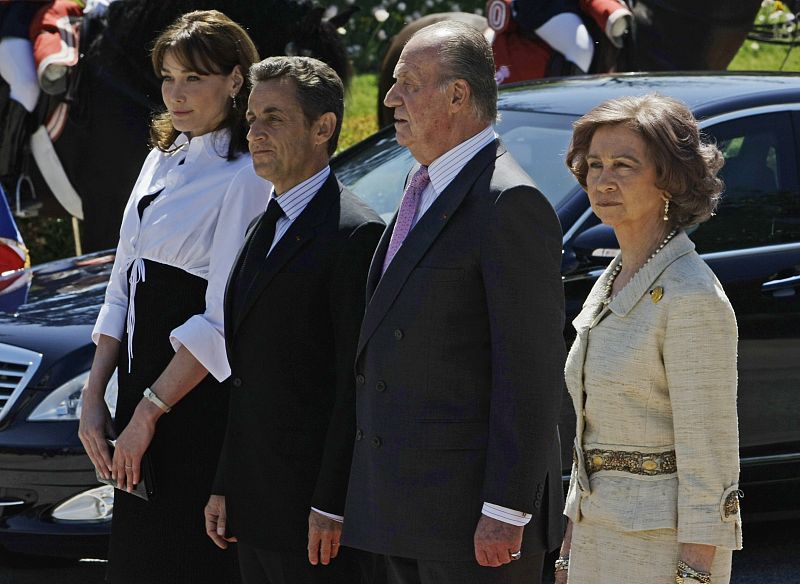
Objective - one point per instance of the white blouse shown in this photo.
(197, 224)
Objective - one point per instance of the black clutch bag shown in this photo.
(145, 489)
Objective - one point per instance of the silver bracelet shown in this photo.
(152, 397)
(562, 563)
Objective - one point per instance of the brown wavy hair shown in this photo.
(209, 43)
(686, 165)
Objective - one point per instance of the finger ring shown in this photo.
(334, 543)
(126, 466)
(516, 555)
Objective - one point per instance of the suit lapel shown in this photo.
(375, 267)
(295, 238)
(418, 241)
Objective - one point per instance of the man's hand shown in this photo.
(324, 535)
(495, 541)
(216, 517)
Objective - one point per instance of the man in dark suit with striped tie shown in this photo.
(293, 306)
(456, 474)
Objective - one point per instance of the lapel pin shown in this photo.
(656, 294)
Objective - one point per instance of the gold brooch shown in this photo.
(656, 294)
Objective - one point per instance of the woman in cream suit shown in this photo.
(653, 496)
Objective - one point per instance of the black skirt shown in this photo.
(164, 540)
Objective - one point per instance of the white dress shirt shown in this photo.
(294, 201)
(197, 223)
(444, 169)
(442, 172)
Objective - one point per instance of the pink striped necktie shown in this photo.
(405, 215)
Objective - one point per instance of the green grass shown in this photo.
(360, 112)
(755, 56)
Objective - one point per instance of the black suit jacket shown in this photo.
(460, 372)
(291, 347)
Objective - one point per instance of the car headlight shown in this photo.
(64, 402)
(93, 505)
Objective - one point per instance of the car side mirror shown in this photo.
(596, 246)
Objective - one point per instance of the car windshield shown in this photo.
(538, 142)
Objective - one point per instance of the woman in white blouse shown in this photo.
(161, 325)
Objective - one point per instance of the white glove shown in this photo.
(96, 8)
(617, 25)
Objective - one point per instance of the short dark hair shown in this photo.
(210, 43)
(319, 89)
(466, 54)
(686, 165)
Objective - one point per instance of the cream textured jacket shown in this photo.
(652, 373)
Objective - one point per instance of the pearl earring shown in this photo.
(666, 209)
(234, 105)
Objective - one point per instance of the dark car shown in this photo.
(50, 503)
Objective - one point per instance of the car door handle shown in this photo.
(782, 287)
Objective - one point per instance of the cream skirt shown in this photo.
(602, 555)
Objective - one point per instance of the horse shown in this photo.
(666, 35)
(105, 135)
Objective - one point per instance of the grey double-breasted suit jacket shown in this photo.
(459, 371)
(656, 372)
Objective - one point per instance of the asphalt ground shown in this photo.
(771, 556)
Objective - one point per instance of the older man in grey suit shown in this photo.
(456, 474)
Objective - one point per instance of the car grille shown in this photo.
(17, 366)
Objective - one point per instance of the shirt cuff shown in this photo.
(506, 515)
(338, 518)
(205, 343)
(110, 322)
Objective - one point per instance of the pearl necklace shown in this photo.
(613, 275)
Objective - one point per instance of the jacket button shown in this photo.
(380, 386)
(236, 382)
(360, 379)
(540, 489)
(398, 334)
(359, 434)
(537, 504)
(376, 442)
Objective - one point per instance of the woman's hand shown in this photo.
(95, 426)
(561, 577)
(566, 546)
(699, 556)
(132, 444)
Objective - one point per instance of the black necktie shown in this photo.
(257, 251)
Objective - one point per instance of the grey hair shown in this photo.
(466, 54)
